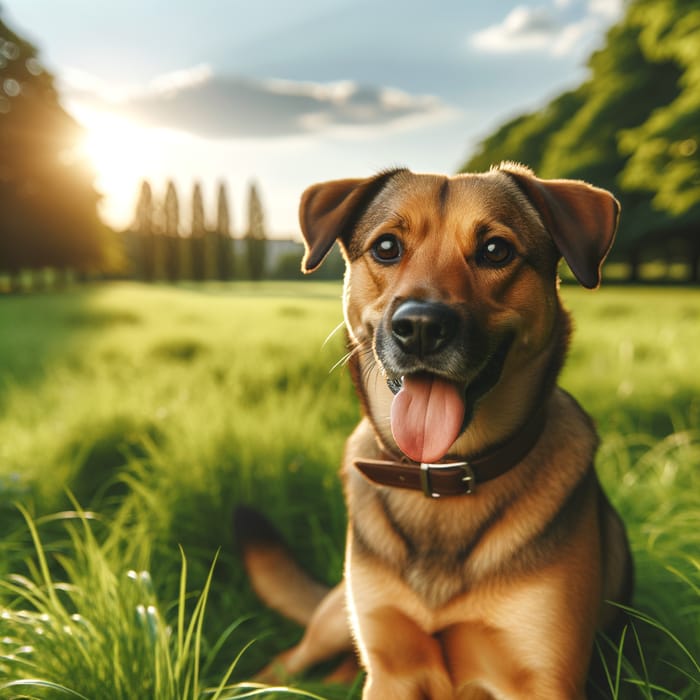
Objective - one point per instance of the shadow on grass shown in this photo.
(38, 330)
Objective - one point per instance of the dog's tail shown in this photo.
(274, 574)
(285, 587)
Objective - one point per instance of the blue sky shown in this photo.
(290, 93)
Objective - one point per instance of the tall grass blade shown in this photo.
(35, 683)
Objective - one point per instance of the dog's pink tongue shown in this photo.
(426, 417)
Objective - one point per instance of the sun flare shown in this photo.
(120, 153)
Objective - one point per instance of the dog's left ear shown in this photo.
(330, 210)
(581, 219)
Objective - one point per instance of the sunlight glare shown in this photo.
(120, 153)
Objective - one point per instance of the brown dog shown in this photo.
(481, 549)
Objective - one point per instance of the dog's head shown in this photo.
(451, 284)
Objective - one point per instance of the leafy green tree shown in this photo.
(664, 149)
(664, 152)
(48, 203)
(255, 235)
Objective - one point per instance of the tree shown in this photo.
(197, 232)
(211, 255)
(171, 231)
(144, 226)
(664, 152)
(255, 235)
(47, 199)
(223, 235)
(160, 242)
(664, 149)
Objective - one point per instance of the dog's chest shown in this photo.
(437, 577)
(442, 544)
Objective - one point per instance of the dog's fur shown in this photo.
(499, 593)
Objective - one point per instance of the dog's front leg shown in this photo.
(403, 662)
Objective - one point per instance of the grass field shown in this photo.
(158, 409)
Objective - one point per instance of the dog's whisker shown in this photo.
(370, 368)
(342, 361)
(346, 358)
(330, 336)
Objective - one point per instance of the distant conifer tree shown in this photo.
(197, 233)
(255, 235)
(160, 241)
(171, 231)
(144, 228)
(223, 235)
(211, 254)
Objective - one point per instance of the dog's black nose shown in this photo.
(422, 328)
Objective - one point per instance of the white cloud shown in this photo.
(608, 9)
(572, 36)
(77, 82)
(523, 29)
(541, 29)
(180, 79)
(199, 102)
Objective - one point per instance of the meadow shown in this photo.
(133, 419)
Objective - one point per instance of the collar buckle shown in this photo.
(467, 477)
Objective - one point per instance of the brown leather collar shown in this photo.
(456, 477)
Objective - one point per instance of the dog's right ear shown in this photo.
(330, 210)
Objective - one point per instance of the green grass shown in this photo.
(159, 409)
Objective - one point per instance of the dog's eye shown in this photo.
(387, 248)
(496, 252)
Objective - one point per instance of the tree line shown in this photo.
(159, 248)
(632, 127)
